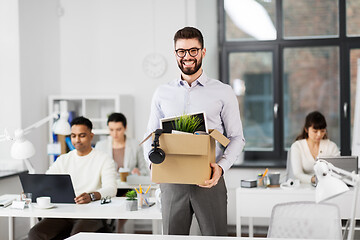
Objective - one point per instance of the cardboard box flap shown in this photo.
(184, 144)
(219, 137)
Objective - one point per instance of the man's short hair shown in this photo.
(117, 117)
(189, 33)
(82, 121)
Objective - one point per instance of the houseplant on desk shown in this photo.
(131, 201)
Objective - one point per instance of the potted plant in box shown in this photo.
(187, 123)
(131, 201)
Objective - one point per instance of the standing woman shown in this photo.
(125, 151)
(313, 142)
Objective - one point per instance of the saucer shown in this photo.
(46, 207)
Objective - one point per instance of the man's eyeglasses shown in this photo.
(193, 52)
(105, 200)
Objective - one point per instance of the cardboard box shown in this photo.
(187, 157)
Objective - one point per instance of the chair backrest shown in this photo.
(305, 220)
(289, 170)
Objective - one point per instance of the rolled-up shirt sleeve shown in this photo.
(108, 179)
(230, 116)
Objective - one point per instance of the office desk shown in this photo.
(114, 236)
(258, 202)
(114, 210)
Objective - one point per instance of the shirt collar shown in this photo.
(202, 80)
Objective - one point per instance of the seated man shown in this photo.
(93, 176)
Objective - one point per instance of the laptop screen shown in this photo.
(57, 186)
(347, 163)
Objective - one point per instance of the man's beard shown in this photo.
(190, 71)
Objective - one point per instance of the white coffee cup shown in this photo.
(43, 202)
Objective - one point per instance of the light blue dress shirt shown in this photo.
(215, 98)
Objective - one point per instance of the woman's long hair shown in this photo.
(317, 121)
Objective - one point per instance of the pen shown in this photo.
(140, 189)
(148, 189)
(266, 170)
(146, 202)
(137, 191)
(262, 178)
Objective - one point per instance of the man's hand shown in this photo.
(85, 198)
(82, 198)
(216, 174)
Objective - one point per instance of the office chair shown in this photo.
(305, 220)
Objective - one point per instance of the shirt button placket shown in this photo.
(188, 101)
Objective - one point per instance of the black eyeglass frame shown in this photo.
(188, 51)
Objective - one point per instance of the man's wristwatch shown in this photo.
(92, 196)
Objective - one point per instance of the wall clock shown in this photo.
(154, 65)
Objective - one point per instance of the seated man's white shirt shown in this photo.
(94, 172)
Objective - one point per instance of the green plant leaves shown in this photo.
(131, 195)
(187, 123)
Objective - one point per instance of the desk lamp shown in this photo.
(23, 149)
(331, 183)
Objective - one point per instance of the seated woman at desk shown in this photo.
(125, 151)
(313, 142)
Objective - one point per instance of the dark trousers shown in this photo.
(180, 201)
(61, 228)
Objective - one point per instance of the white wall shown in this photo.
(10, 108)
(29, 71)
(40, 68)
(104, 42)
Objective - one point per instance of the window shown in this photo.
(310, 19)
(352, 18)
(251, 78)
(310, 82)
(284, 59)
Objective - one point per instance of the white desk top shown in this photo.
(258, 202)
(114, 210)
(117, 236)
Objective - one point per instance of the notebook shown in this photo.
(57, 186)
(347, 163)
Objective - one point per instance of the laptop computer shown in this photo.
(57, 186)
(347, 163)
